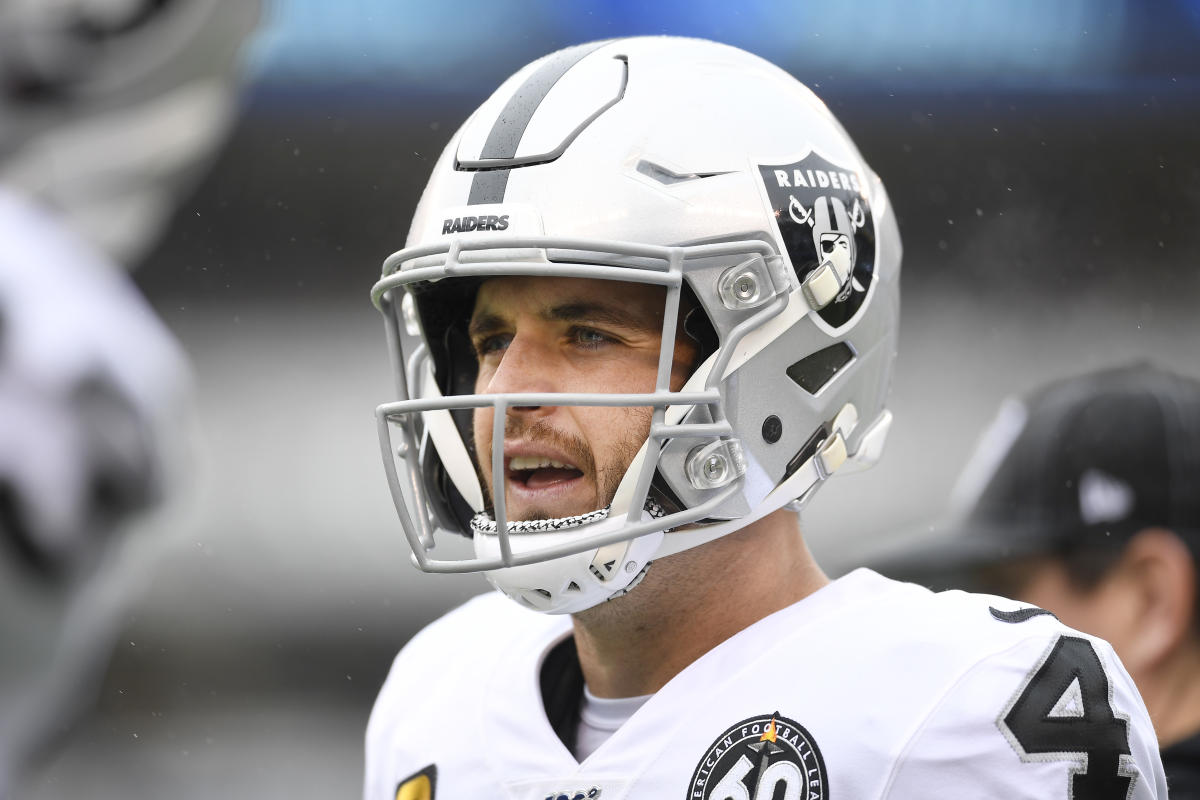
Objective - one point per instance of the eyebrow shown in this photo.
(483, 324)
(579, 311)
(605, 313)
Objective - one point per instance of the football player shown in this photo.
(108, 112)
(647, 307)
(1081, 498)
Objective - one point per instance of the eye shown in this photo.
(590, 338)
(487, 345)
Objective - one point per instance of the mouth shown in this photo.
(542, 481)
(534, 473)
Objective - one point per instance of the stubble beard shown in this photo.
(606, 477)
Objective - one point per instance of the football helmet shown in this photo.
(675, 162)
(110, 110)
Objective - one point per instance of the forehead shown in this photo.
(513, 295)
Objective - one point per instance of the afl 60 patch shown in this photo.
(761, 758)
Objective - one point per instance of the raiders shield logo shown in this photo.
(761, 758)
(824, 218)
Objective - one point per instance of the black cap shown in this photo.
(1079, 462)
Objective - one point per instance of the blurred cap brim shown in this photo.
(951, 551)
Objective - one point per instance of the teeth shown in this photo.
(536, 462)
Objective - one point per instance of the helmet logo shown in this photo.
(799, 214)
(490, 222)
(824, 217)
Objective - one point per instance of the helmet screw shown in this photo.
(631, 566)
(402, 449)
(715, 464)
(745, 286)
(772, 429)
(714, 467)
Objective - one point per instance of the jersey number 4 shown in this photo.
(1064, 713)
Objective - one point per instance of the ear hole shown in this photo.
(812, 372)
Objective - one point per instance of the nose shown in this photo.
(527, 367)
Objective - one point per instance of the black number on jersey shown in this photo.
(1063, 713)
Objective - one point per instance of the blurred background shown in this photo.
(1043, 162)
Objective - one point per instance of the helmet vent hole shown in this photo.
(666, 177)
(813, 372)
(573, 587)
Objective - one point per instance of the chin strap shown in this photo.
(605, 562)
(483, 522)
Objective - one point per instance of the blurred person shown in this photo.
(1083, 498)
(647, 308)
(109, 110)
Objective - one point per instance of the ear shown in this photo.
(1160, 569)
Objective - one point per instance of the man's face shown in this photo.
(1100, 611)
(835, 247)
(567, 335)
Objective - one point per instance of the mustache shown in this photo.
(537, 431)
(541, 432)
(607, 477)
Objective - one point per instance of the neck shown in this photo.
(688, 604)
(1172, 695)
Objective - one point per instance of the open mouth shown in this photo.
(539, 473)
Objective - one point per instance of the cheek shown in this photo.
(1050, 589)
(1104, 612)
(483, 376)
(615, 434)
(482, 423)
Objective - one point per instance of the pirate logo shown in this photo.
(824, 220)
(761, 758)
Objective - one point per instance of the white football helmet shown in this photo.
(110, 110)
(675, 162)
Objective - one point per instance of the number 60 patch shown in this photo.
(1063, 712)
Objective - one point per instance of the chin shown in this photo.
(537, 514)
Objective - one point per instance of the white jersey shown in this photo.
(868, 688)
(93, 396)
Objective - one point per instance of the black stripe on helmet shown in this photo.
(489, 185)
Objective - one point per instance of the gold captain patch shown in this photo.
(419, 786)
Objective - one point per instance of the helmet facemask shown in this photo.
(433, 431)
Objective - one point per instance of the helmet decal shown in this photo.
(824, 216)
